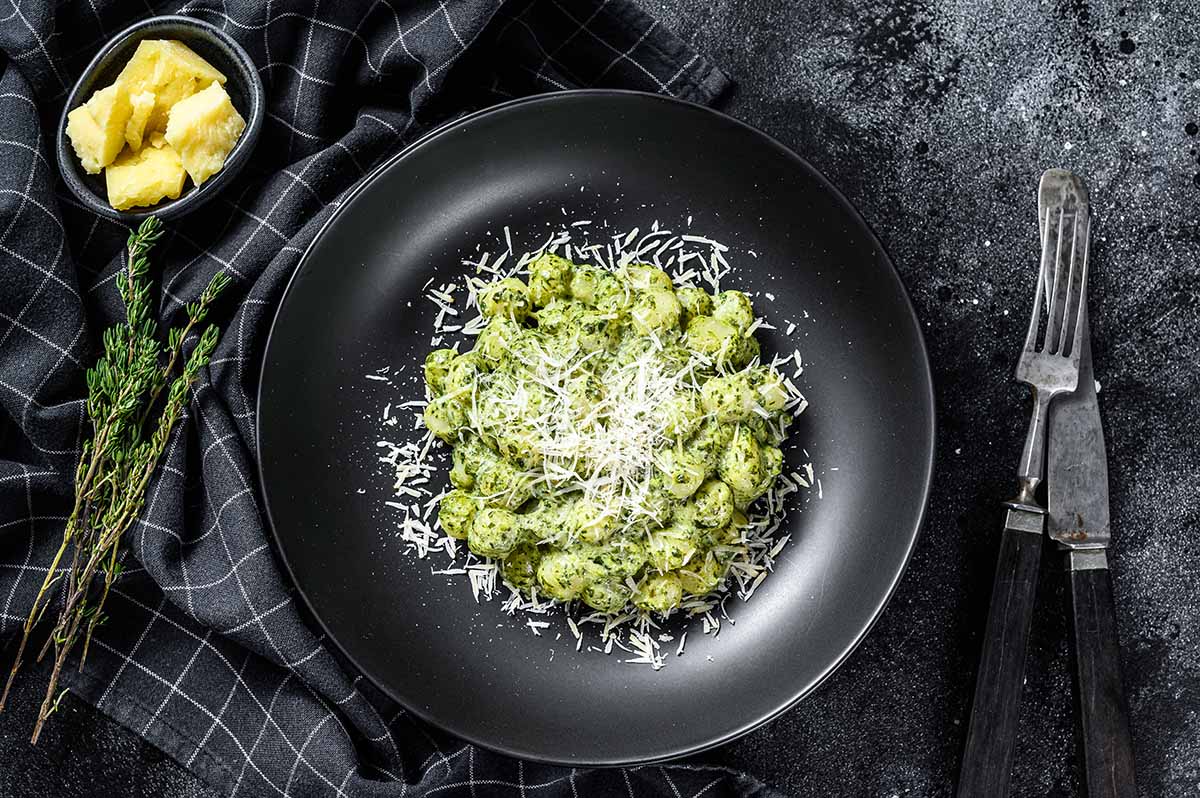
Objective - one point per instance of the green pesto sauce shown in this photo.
(608, 433)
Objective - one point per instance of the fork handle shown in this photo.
(991, 735)
(1033, 458)
(1103, 712)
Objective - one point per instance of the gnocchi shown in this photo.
(609, 432)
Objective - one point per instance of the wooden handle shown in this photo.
(991, 736)
(1103, 712)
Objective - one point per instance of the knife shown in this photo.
(1078, 521)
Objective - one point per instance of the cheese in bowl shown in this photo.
(166, 119)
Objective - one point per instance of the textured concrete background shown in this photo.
(936, 118)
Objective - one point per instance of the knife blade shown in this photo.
(1077, 466)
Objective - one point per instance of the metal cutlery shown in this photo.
(1049, 364)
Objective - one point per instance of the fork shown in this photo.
(1049, 365)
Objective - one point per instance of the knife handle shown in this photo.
(1103, 712)
(991, 735)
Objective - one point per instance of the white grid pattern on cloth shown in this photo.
(207, 652)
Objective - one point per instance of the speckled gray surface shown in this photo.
(936, 118)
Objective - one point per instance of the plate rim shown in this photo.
(929, 395)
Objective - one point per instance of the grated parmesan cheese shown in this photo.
(416, 462)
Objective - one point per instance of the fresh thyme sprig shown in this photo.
(131, 423)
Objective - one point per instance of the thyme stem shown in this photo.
(131, 422)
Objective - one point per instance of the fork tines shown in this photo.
(1066, 222)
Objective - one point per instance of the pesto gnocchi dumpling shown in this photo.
(549, 279)
(683, 470)
(712, 506)
(437, 365)
(456, 512)
(701, 576)
(711, 439)
(644, 277)
(590, 521)
(623, 557)
(730, 398)
(713, 339)
(609, 432)
(733, 308)
(606, 595)
(682, 415)
(494, 532)
(497, 340)
(772, 395)
(444, 417)
(564, 574)
(502, 484)
(741, 466)
(656, 311)
(693, 302)
(585, 283)
(670, 548)
(508, 298)
(520, 566)
(462, 374)
(659, 593)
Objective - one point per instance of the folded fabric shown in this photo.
(208, 652)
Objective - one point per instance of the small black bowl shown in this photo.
(210, 43)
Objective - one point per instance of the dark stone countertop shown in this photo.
(936, 119)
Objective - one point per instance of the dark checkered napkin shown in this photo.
(208, 653)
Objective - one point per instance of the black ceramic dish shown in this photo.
(469, 668)
(209, 42)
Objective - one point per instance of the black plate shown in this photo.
(469, 668)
